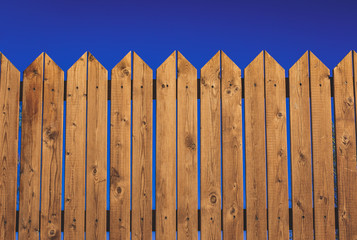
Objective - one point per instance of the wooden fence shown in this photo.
(176, 89)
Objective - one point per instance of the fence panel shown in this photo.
(52, 140)
(255, 149)
(321, 121)
(142, 150)
(29, 218)
(187, 177)
(232, 144)
(75, 161)
(346, 147)
(9, 129)
(120, 150)
(166, 149)
(301, 174)
(211, 149)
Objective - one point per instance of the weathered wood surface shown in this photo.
(120, 150)
(142, 150)
(232, 150)
(301, 149)
(187, 177)
(75, 160)
(166, 149)
(9, 130)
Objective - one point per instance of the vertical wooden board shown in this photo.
(120, 150)
(187, 199)
(321, 120)
(232, 150)
(96, 203)
(255, 149)
(75, 162)
(346, 148)
(30, 167)
(142, 150)
(276, 137)
(299, 88)
(211, 150)
(166, 149)
(52, 139)
(9, 130)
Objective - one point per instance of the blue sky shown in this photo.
(154, 29)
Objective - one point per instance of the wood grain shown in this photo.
(142, 150)
(300, 135)
(211, 150)
(31, 151)
(232, 149)
(120, 150)
(96, 150)
(9, 131)
(52, 140)
(187, 177)
(75, 161)
(255, 149)
(346, 147)
(276, 137)
(166, 149)
(321, 120)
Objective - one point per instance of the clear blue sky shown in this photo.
(154, 29)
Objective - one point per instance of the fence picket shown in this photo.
(75, 161)
(255, 149)
(9, 129)
(142, 150)
(120, 150)
(211, 149)
(52, 140)
(187, 177)
(232, 142)
(29, 218)
(301, 174)
(346, 147)
(321, 120)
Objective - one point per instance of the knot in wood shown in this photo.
(279, 115)
(51, 232)
(118, 190)
(213, 199)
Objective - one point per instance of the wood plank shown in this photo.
(31, 151)
(324, 211)
(9, 130)
(52, 140)
(255, 149)
(96, 150)
(75, 164)
(232, 150)
(276, 137)
(187, 177)
(211, 150)
(142, 150)
(166, 149)
(346, 147)
(120, 150)
(299, 83)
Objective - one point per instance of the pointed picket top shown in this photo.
(346, 62)
(138, 60)
(170, 62)
(124, 66)
(258, 61)
(93, 60)
(317, 64)
(272, 65)
(229, 65)
(183, 63)
(213, 62)
(35, 69)
(5, 62)
(302, 63)
(81, 63)
(50, 62)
